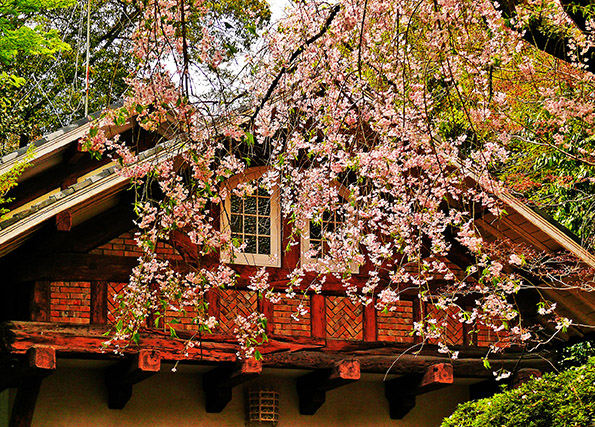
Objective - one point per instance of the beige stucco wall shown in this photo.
(75, 396)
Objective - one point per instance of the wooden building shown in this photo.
(66, 251)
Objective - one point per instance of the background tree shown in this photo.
(53, 94)
(21, 34)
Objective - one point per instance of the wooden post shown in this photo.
(266, 307)
(401, 392)
(98, 302)
(312, 387)
(318, 316)
(219, 382)
(40, 302)
(369, 320)
(27, 377)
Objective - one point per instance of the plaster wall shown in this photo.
(78, 397)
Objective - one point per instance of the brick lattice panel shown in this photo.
(113, 304)
(284, 324)
(70, 302)
(232, 304)
(396, 326)
(453, 328)
(125, 245)
(344, 319)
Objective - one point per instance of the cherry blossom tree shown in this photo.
(375, 112)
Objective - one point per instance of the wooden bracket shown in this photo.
(27, 377)
(401, 392)
(64, 221)
(312, 387)
(122, 376)
(218, 383)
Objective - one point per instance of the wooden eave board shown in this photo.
(49, 149)
(77, 197)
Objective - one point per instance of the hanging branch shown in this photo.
(294, 56)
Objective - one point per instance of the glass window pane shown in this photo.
(250, 245)
(236, 223)
(264, 226)
(236, 204)
(264, 206)
(264, 245)
(315, 232)
(250, 225)
(250, 205)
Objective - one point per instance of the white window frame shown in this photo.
(305, 242)
(244, 258)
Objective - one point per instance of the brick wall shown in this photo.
(70, 302)
(284, 324)
(396, 326)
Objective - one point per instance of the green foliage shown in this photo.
(17, 37)
(563, 400)
(10, 179)
(576, 354)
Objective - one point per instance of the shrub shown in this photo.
(563, 400)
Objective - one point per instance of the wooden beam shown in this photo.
(401, 392)
(77, 267)
(218, 383)
(312, 387)
(122, 376)
(16, 337)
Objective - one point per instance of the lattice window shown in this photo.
(344, 319)
(315, 236)
(254, 220)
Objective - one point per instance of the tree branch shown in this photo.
(294, 56)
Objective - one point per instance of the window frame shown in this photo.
(244, 258)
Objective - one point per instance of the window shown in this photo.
(315, 235)
(253, 220)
